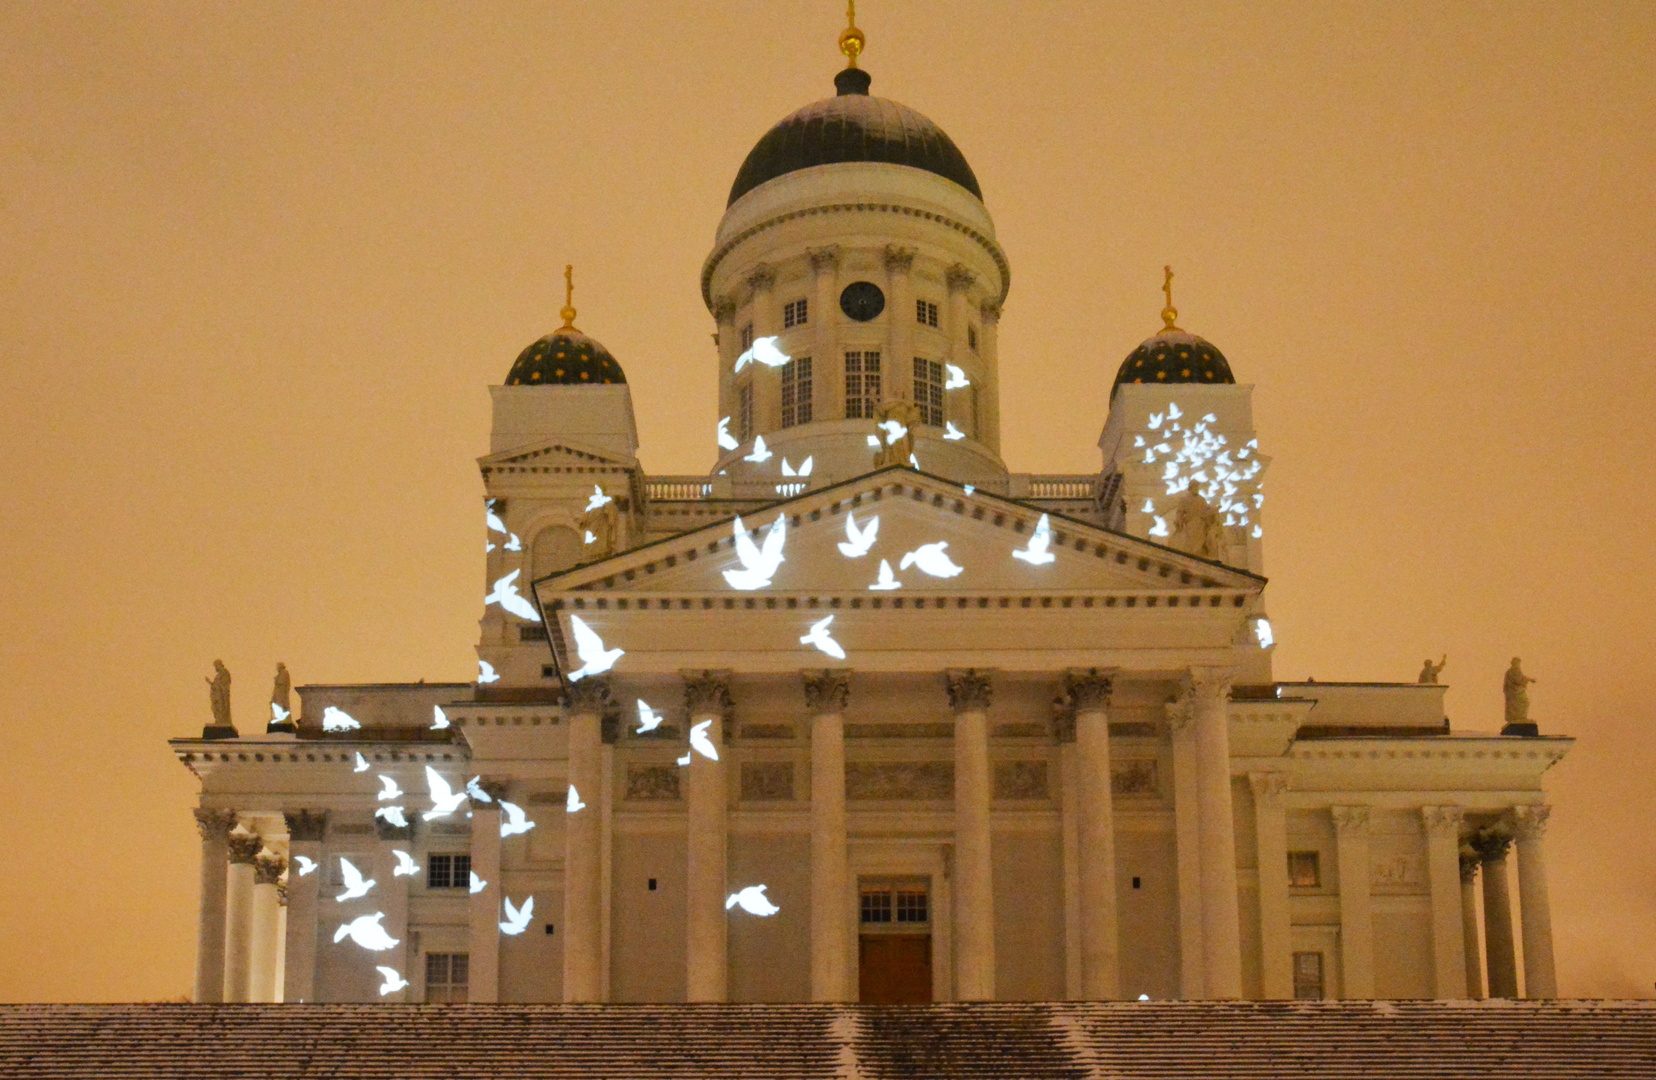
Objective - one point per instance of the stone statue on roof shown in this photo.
(1430, 672)
(218, 694)
(1195, 525)
(1516, 688)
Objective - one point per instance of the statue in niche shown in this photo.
(1515, 687)
(218, 694)
(1195, 525)
(906, 415)
(1430, 672)
(600, 528)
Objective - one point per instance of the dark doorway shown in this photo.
(895, 969)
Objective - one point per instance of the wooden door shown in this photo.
(895, 969)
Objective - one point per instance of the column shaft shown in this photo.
(266, 944)
(829, 374)
(707, 961)
(1535, 909)
(238, 920)
(1443, 825)
(831, 925)
(974, 888)
(484, 911)
(1187, 832)
(214, 826)
(392, 896)
(1469, 925)
(1503, 964)
(900, 321)
(1221, 921)
(1070, 811)
(583, 850)
(1089, 693)
(1271, 840)
(1356, 904)
(988, 387)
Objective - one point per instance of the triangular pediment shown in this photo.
(554, 453)
(929, 522)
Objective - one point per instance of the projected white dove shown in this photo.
(1036, 553)
(589, 647)
(969, 490)
(759, 563)
(506, 595)
(950, 432)
(514, 821)
(491, 519)
(648, 718)
(486, 672)
(874, 441)
(439, 719)
(760, 455)
(957, 378)
(893, 431)
(444, 799)
(277, 713)
(355, 884)
(764, 351)
(914, 463)
(597, 499)
(804, 470)
(392, 814)
(685, 760)
(305, 865)
(475, 792)
(572, 801)
(1262, 631)
(858, 540)
(514, 544)
(361, 763)
(477, 883)
(932, 559)
(393, 980)
(367, 932)
(752, 900)
(701, 744)
(388, 788)
(727, 441)
(818, 636)
(405, 864)
(336, 719)
(888, 580)
(517, 918)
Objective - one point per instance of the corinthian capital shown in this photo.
(590, 694)
(267, 867)
(1180, 712)
(898, 260)
(244, 847)
(761, 278)
(1490, 843)
(824, 259)
(826, 691)
(970, 690)
(707, 693)
(724, 310)
(1268, 785)
(1443, 820)
(215, 824)
(306, 825)
(1089, 690)
(989, 311)
(958, 277)
(1351, 820)
(1530, 822)
(1209, 686)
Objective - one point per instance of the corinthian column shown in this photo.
(974, 880)
(1469, 922)
(1276, 960)
(1221, 922)
(1187, 834)
(238, 930)
(306, 829)
(707, 964)
(1351, 825)
(1443, 825)
(767, 381)
(268, 868)
(1491, 845)
(214, 826)
(826, 693)
(960, 280)
(988, 386)
(825, 332)
(900, 321)
(1540, 981)
(583, 841)
(1089, 694)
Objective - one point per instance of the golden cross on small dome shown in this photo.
(1170, 314)
(568, 311)
(851, 40)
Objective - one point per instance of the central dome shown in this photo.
(849, 127)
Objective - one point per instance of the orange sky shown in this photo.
(259, 261)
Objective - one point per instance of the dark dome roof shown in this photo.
(1174, 356)
(565, 357)
(853, 127)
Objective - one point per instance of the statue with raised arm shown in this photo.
(218, 694)
(1195, 526)
(1430, 672)
(1515, 687)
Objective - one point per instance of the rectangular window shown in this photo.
(1308, 976)
(796, 391)
(448, 977)
(928, 390)
(532, 633)
(862, 385)
(747, 337)
(876, 906)
(971, 338)
(911, 907)
(793, 314)
(1304, 871)
(448, 871)
(925, 313)
(744, 412)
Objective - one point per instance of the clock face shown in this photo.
(862, 300)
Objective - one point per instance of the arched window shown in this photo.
(555, 548)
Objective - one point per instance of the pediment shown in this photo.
(553, 453)
(920, 518)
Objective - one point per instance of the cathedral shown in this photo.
(860, 715)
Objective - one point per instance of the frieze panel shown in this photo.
(1397, 872)
(1021, 780)
(891, 780)
(767, 781)
(653, 783)
(899, 731)
(767, 731)
(1135, 777)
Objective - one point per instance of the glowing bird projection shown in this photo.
(1160, 528)
(914, 463)
(506, 595)
(355, 884)
(393, 980)
(492, 519)
(894, 431)
(727, 441)
(589, 647)
(752, 900)
(685, 760)
(597, 499)
(439, 719)
(957, 378)
(591, 537)
(950, 432)
(874, 441)
(517, 918)
(759, 563)
(760, 455)
(648, 718)
(701, 744)
(514, 821)
(1262, 631)
(1036, 553)
(388, 788)
(406, 866)
(573, 803)
(361, 763)
(858, 540)
(969, 489)
(804, 470)
(336, 719)
(277, 713)
(477, 883)
(818, 637)
(764, 351)
(475, 792)
(514, 544)
(393, 815)
(367, 932)
(932, 559)
(444, 799)
(887, 581)
(486, 673)
(305, 865)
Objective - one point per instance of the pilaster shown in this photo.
(1351, 826)
(306, 829)
(583, 959)
(1271, 842)
(484, 910)
(970, 693)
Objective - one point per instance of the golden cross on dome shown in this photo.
(851, 39)
(1169, 313)
(568, 311)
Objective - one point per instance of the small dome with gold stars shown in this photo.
(1173, 355)
(565, 357)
